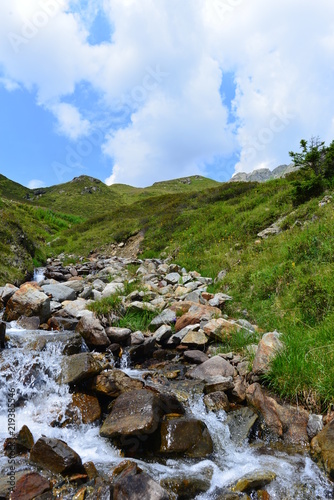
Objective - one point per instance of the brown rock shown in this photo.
(29, 323)
(55, 455)
(323, 446)
(218, 328)
(238, 393)
(112, 383)
(195, 356)
(28, 301)
(196, 313)
(187, 436)
(216, 401)
(88, 407)
(283, 421)
(133, 413)
(30, 486)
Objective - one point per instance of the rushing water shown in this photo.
(33, 373)
(38, 274)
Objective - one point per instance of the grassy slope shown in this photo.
(284, 282)
(24, 231)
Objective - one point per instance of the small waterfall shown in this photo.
(39, 274)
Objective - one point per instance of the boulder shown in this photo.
(211, 368)
(79, 367)
(92, 332)
(29, 300)
(75, 308)
(187, 436)
(87, 406)
(112, 288)
(142, 351)
(195, 356)
(314, 425)
(118, 335)
(218, 383)
(167, 317)
(31, 323)
(7, 292)
(59, 293)
(112, 383)
(173, 278)
(323, 446)
(282, 420)
(30, 485)
(216, 401)
(196, 313)
(240, 423)
(178, 337)
(218, 328)
(162, 334)
(195, 339)
(131, 483)
(55, 455)
(268, 347)
(219, 300)
(254, 481)
(133, 413)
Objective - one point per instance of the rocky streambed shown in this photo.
(92, 408)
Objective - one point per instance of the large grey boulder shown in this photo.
(59, 293)
(215, 366)
(79, 367)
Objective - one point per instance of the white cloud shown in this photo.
(35, 183)
(70, 121)
(159, 78)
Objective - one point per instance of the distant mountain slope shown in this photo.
(12, 190)
(264, 174)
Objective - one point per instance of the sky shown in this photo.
(139, 91)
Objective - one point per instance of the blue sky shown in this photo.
(137, 91)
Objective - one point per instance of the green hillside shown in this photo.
(24, 232)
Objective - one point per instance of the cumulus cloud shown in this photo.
(159, 78)
(35, 183)
(70, 121)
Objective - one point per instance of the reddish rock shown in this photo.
(322, 445)
(30, 486)
(88, 407)
(282, 420)
(196, 313)
(28, 301)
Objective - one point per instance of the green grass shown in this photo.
(136, 320)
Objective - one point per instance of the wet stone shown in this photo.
(55, 455)
(186, 436)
